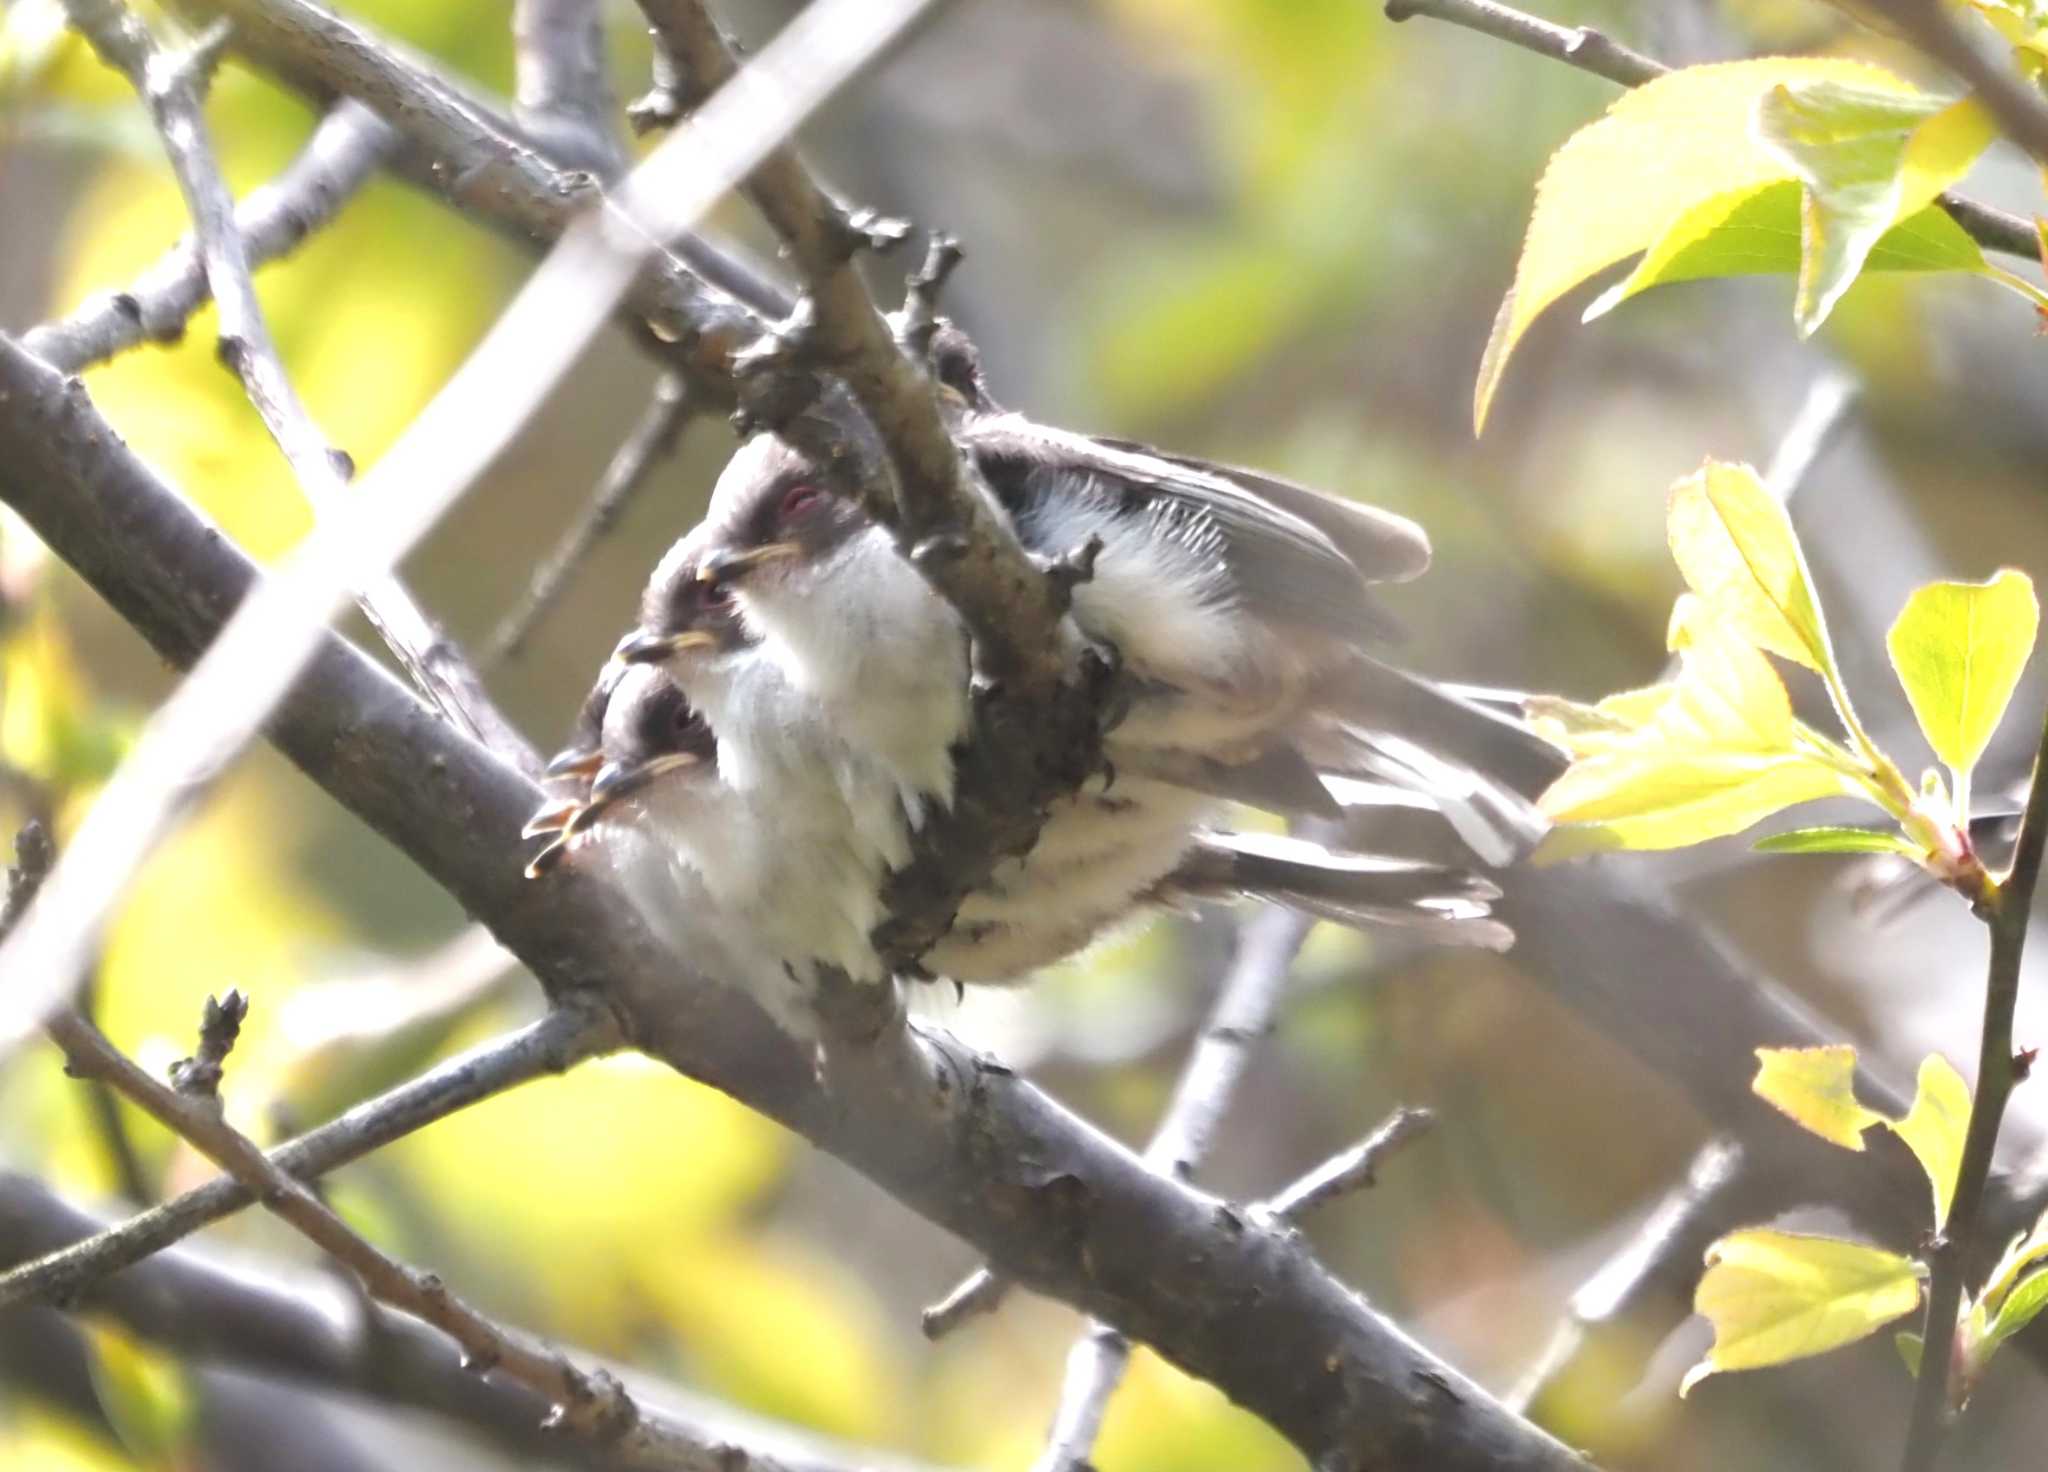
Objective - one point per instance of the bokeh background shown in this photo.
(1272, 231)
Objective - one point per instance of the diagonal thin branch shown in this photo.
(1009, 607)
(279, 628)
(1098, 1359)
(1242, 1015)
(595, 1406)
(566, 1036)
(651, 441)
(173, 87)
(1594, 51)
(337, 160)
(287, 1327)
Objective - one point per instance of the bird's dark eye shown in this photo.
(800, 501)
(715, 596)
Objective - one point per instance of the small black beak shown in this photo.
(724, 564)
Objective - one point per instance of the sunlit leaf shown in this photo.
(149, 1399)
(2021, 1254)
(1934, 1127)
(1869, 158)
(1710, 754)
(1826, 840)
(1733, 541)
(1817, 1088)
(1755, 231)
(1910, 1347)
(1620, 183)
(1776, 1296)
(1959, 649)
(2020, 1308)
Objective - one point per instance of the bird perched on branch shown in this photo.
(1235, 606)
(732, 877)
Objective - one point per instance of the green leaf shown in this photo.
(1816, 1087)
(1755, 231)
(2022, 1253)
(1776, 1296)
(1836, 840)
(1621, 183)
(1709, 754)
(2020, 1309)
(1911, 1347)
(149, 1399)
(1959, 649)
(1869, 158)
(1934, 1127)
(1735, 545)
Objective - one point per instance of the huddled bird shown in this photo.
(769, 740)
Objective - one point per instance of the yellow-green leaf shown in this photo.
(2022, 1253)
(1959, 649)
(1776, 1296)
(1934, 1127)
(1817, 1088)
(1836, 840)
(1755, 231)
(2020, 1309)
(147, 1396)
(1869, 157)
(1620, 183)
(1651, 800)
(1735, 545)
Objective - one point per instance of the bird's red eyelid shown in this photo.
(799, 499)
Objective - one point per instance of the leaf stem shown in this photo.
(2005, 910)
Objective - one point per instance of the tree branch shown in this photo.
(566, 1036)
(651, 441)
(343, 152)
(248, 669)
(1997, 1072)
(294, 1327)
(1242, 1015)
(1098, 1359)
(1593, 51)
(593, 1406)
(566, 103)
(953, 1135)
(1009, 606)
(173, 88)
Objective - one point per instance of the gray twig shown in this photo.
(652, 440)
(1594, 51)
(1664, 1251)
(1007, 605)
(1243, 1015)
(566, 103)
(1351, 1170)
(173, 87)
(593, 1405)
(220, 1023)
(272, 635)
(566, 1036)
(284, 1325)
(342, 154)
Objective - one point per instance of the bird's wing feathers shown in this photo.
(1384, 547)
(1285, 566)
